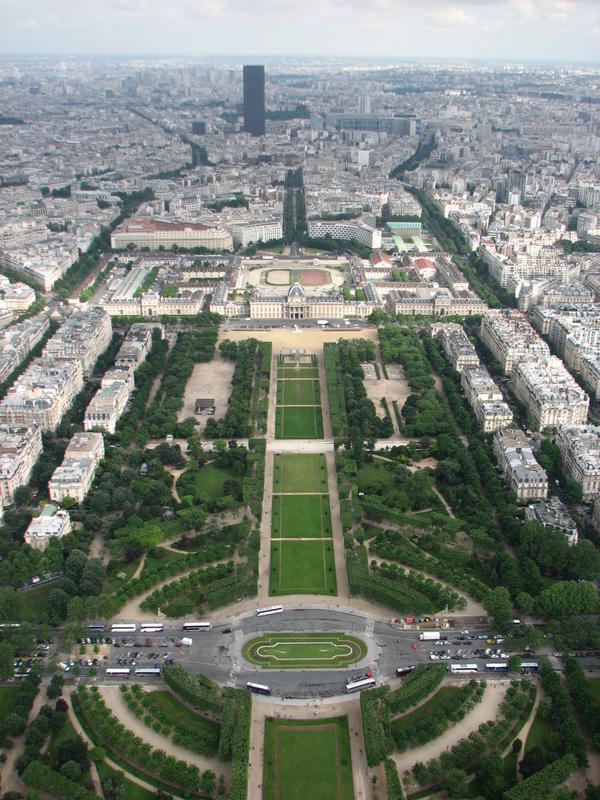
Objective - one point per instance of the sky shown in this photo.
(511, 30)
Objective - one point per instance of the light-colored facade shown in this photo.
(42, 393)
(511, 338)
(456, 345)
(486, 399)
(20, 448)
(75, 475)
(521, 471)
(254, 232)
(106, 406)
(19, 340)
(434, 302)
(550, 394)
(580, 452)
(340, 229)
(296, 305)
(154, 233)
(52, 522)
(84, 336)
(553, 514)
(16, 296)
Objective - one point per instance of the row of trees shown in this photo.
(236, 422)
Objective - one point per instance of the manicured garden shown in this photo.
(296, 473)
(307, 758)
(300, 516)
(304, 650)
(298, 422)
(298, 392)
(302, 567)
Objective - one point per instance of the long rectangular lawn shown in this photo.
(302, 567)
(300, 516)
(298, 392)
(300, 473)
(298, 422)
(307, 758)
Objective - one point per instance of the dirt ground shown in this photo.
(209, 379)
(488, 709)
(114, 700)
(310, 339)
(397, 387)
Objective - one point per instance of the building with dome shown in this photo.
(297, 305)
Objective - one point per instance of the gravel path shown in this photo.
(488, 709)
(115, 701)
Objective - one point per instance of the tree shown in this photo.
(514, 664)
(22, 495)
(15, 723)
(455, 782)
(7, 656)
(497, 604)
(573, 492)
(71, 770)
(525, 603)
(208, 782)
(490, 773)
(517, 746)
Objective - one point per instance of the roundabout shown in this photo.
(316, 650)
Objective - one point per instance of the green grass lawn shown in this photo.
(298, 392)
(65, 733)
(297, 516)
(540, 732)
(182, 714)
(205, 483)
(133, 791)
(302, 567)
(300, 473)
(595, 686)
(439, 699)
(116, 567)
(8, 695)
(300, 372)
(304, 650)
(307, 758)
(375, 472)
(34, 602)
(298, 422)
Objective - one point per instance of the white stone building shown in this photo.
(52, 522)
(521, 471)
(20, 448)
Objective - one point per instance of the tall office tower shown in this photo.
(364, 104)
(254, 99)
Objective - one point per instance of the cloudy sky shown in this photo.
(563, 30)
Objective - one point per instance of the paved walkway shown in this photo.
(10, 780)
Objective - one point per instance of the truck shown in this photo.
(186, 641)
(432, 636)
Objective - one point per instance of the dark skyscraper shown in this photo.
(254, 99)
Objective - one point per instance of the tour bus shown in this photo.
(130, 627)
(497, 666)
(148, 671)
(404, 670)
(258, 688)
(118, 671)
(96, 627)
(263, 612)
(529, 666)
(197, 626)
(457, 669)
(357, 686)
(152, 627)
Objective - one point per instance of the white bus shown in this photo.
(457, 669)
(130, 627)
(118, 671)
(147, 671)
(152, 627)
(529, 666)
(404, 670)
(497, 666)
(96, 627)
(357, 686)
(197, 626)
(263, 612)
(258, 688)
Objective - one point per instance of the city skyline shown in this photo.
(545, 30)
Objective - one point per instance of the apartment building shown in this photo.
(42, 394)
(16, 296)
(84, 336)
(20, 448)
(553, 514)
(350, 229)
(433, 302)
(456, 345)
(550, 394)
(254, 232)
(52, 522)
(19, 340)
(154, 233)
(521, 471)
(486, 399)
(136, 345)
(511, 338)
(579, 447)
(106, 406)
(75, 475)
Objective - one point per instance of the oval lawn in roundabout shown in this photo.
(304, 650)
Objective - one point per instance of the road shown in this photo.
(218, 652)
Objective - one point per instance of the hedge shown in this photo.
(538, 786)
(40, 776)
